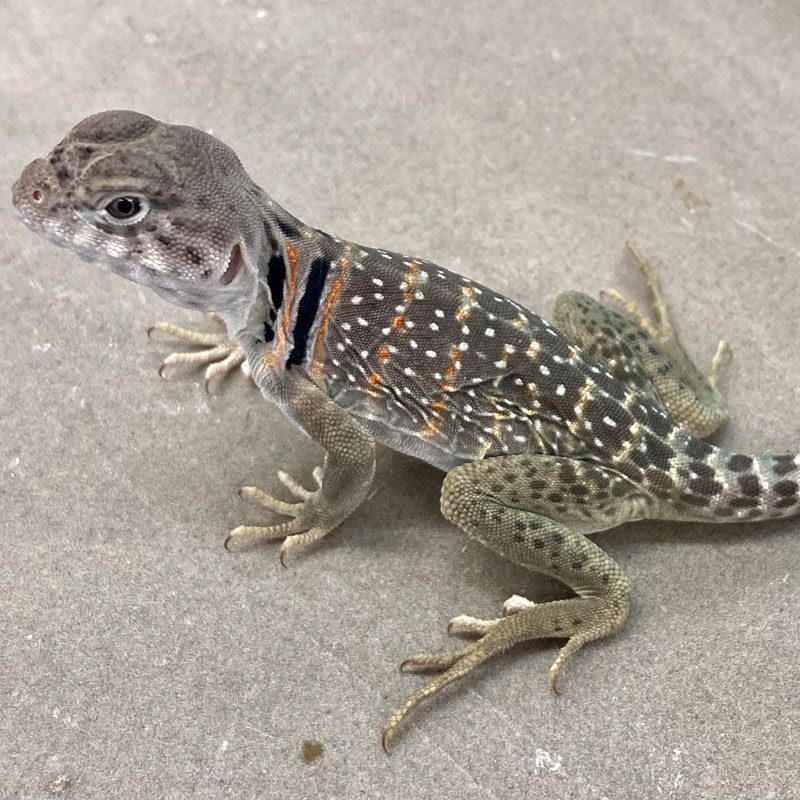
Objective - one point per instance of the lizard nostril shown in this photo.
(37, 196)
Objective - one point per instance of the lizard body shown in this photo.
(547, 431)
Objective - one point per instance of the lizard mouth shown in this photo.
(235, 262)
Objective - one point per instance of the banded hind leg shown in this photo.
(646, 355)
(534, 510)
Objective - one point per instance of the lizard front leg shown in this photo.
(342, 483)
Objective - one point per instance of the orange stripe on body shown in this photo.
(466, 303)
(452, 368)
(374, 380)
(411, 279)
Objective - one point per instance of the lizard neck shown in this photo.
(276, 261)
(297, 285)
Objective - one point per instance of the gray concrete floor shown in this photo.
(521, 144)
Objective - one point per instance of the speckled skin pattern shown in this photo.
(547, 432)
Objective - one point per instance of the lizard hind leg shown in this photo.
(529, 508)
(647, 356)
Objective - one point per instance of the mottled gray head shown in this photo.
(167, 206)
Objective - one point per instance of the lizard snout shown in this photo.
(34, 190)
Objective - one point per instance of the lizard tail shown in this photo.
(733, 487)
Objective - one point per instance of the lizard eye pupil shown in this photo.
(124, 207)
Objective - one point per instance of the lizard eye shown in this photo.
(126, 210)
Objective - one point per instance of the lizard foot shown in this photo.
(220, 355)
(307, 525)
(579, 620)
(662, 330)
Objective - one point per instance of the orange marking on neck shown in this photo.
(383, 354)
(291, 288)
(438, 405)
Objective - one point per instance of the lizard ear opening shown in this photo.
(235, 263)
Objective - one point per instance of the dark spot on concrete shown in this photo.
(312, 750)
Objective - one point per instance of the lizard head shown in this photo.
(167, 206)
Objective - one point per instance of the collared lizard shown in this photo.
(547, 432)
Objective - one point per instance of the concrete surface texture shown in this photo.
(520, 143)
